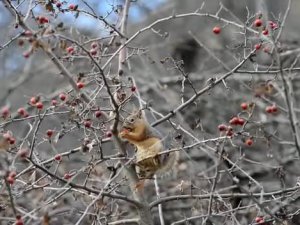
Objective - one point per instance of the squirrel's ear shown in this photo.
(139, 113)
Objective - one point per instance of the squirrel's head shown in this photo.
(133, 120)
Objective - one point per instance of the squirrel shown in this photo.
(149, 144)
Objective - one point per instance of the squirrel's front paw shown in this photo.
(124, 133)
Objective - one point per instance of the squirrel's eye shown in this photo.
(131, 120)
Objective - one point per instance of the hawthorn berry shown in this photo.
(12, 174)
(269, 109)
(12, 141)
(10, 180)
(70, 49)
(39, 105)
(87, 123)
(58, 157)
(234, 121)
(249, 142)
(21, 111)
(54, 102)
(5, 112)
(33, 100)
(222, 127)
(67, 176)
(20, 42)
(49, 133)
(42, 19)
(80, 85)
(133, 88)
(94, 44)
(257, 46)
(28, 33)
(259, 219)
(244, 106)
(217, 29)
(241, 121)
(273, 25)
(229, 131)
(258, 22)
(19, 222)
(62, 97)
(265, 32)
(109, 134)
(72, 7)
(22, 153)
(274, 108)
(98, 113)
(93, 51)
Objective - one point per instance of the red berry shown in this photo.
(19, 222)
(258, 22)
(274, 108)
(234, 121)
(265, 32)
(249, 142)
(222, 127)
(67, 176)
(5, 112)
(87, 123)
(257, 46)
(10, 180)
(21, 111)
(269, 109)
(229, 133)
(72, 7)
(244, 106)
(109, 134)
(94, 44)
(70, 49)
(93, 51)
(80, 85)
(54, 102)
(62, 97)
(22, 153)
(133, 88)
(27, 33)
(49, 133)
(259, 219)
(241, 121)
(20, 42)
(12, 141)
(39, 105)
(58, 157)
(12, 174)
(217, 30)
(33, 100)
(42, 19)
(98, 113)
(273, 25)
(26, 54)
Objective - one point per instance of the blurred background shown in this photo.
(158, 60)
